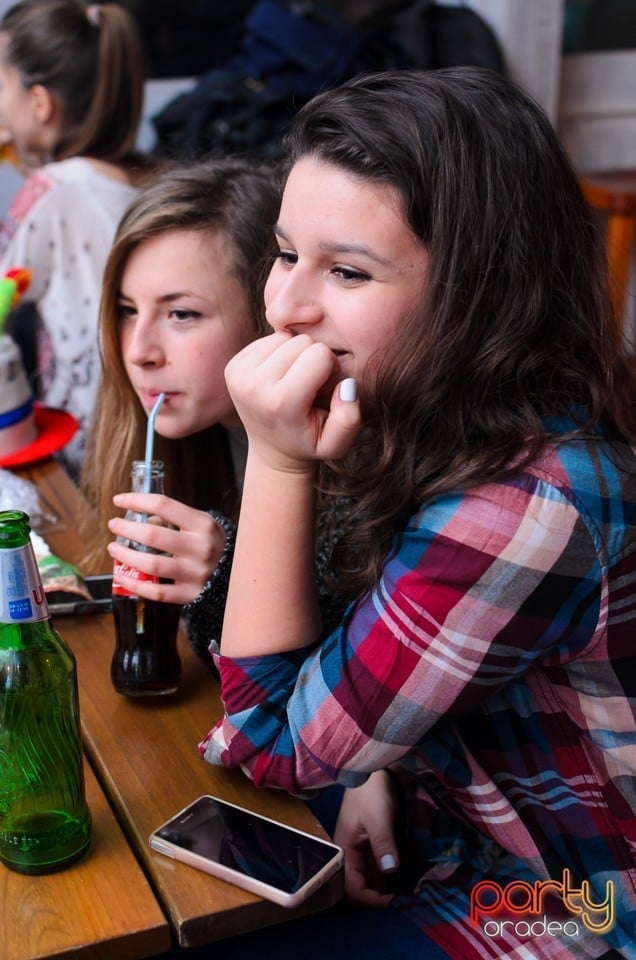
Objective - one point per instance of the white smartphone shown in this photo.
(260, 855)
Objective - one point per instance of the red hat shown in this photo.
(55, 428)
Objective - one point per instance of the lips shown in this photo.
(149, 397)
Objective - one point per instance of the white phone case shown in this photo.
(308, 848)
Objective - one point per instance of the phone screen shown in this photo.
(100, 588)
(252, 845)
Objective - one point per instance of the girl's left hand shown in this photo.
(366, 832)
(278, 384)
(188, 545)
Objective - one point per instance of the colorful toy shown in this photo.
(12, 288)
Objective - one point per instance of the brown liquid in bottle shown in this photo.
(146, 659)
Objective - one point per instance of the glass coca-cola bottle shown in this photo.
(146, 659)
(45, 823)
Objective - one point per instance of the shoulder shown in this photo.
(32, 210)
(81, 172)
(80, 194)
(596, 476)
(49, 186)
(57, 174)
(71, 170)
(32, 193)
(592, 472)
(577, 496)
(76, 177)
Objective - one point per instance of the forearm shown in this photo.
(272, 604)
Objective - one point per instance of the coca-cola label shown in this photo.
(22, 597)
(125, 570)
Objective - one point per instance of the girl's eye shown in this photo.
(286, 258)
(181, 315)
(351, 275)
(125, 311)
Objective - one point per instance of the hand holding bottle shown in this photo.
(146, 660)
(183, 548)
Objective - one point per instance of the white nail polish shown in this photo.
(387, 862)
(348, 390)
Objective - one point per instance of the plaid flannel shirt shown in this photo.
(495, 663)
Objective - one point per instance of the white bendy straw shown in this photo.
(150, 441)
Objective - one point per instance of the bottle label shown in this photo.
(22, 596)
(125, 570)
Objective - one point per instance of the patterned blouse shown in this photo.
(494, 667)
(60, 225)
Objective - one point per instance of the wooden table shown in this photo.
(145, 755)
(100, 908)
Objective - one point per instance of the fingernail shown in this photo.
(387, 862)
(348, 390)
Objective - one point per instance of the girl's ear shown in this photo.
(43, 104)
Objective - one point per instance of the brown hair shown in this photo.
(92, 59)
(230, 196)
(515, 325)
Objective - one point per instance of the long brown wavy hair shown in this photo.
(239, 200)
(515, 324)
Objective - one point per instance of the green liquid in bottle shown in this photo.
(45, 823)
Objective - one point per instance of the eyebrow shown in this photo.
(342, 248)
(166, 298)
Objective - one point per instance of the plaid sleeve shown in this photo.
(479, 587)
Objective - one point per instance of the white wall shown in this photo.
(597, 124)
(597, 110)
(530, 32)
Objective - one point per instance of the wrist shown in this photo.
(288, 480)
(279, 464)
(217, 583)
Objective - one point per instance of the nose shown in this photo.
(291, 303)
(140, 344)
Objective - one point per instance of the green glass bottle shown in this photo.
(45, 823)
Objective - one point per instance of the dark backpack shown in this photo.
(292, 50)
(288, 53)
